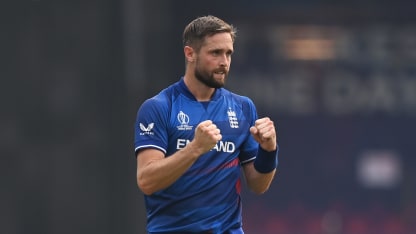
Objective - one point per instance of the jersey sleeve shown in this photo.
(150, 126)
(250, 146)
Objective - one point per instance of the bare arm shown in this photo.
(256, 181)
(264, 133)
(156, 172)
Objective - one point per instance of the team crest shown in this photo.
(232, 118)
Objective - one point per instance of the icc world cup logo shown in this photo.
(183, 118)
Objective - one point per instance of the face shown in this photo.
(214, 59)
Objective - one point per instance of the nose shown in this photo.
(225, 60)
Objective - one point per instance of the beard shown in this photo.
(207, 78)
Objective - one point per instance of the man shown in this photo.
(193, 138)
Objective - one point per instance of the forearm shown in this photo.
(160, 173)
(258, 182)
(156, 172)
(261, 172)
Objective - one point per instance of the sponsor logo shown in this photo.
(183, 121)
(146, 130)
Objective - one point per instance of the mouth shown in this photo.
(220, 72)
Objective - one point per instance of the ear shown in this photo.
(189, 54)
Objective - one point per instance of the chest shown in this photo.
(227, 115)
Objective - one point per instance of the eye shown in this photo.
(216, 52)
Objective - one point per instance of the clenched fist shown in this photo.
(206, 136)
(264, 133)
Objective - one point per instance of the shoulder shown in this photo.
(161, 100)
(244, 100)
(156, 102)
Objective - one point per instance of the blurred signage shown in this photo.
(312, 69)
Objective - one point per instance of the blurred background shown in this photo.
(338, 77)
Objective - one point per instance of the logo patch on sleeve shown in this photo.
(146, 130)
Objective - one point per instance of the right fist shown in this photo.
(206, 136)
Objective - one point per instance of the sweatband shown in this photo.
(265, 161)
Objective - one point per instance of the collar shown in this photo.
(185, 91)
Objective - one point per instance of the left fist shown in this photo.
(264, 133)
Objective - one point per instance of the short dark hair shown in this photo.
(196, 31)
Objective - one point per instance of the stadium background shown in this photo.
(338, 77)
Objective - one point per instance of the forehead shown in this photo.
(218, 41)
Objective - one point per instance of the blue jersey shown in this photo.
(207, 196)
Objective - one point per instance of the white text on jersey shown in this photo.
(221, 146)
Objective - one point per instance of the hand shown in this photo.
(206, 136)
(264, 133)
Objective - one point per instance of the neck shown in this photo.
(201, 92)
